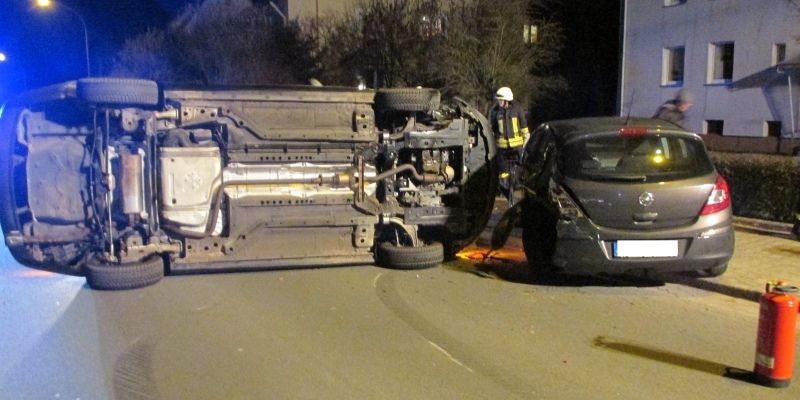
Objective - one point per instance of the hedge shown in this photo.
(762, 186)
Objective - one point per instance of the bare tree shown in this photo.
(465, 47)
(485, 50)
(385, 40)
(220, 42)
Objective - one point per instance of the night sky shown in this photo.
(47, 46)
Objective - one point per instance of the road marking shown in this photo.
(453, 359)
(375, 281)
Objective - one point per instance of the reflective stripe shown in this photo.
(510, 143)
(509, 136)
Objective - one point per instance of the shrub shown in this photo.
(762, 186)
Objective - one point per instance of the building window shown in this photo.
(433, 26)
(772, 128)
(530, 33)
(778, 53)
(720, 62)
(713, 126)
(672, 66)
(670, 3)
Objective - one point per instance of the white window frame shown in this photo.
(765, 132)
(713, 55)
(667, 58)
(530, 33)
(778, 53)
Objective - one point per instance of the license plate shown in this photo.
(645, 248)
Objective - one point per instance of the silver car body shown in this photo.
(123, 179)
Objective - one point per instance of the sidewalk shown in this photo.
(764, 251)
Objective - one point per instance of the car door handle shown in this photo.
(645, 217)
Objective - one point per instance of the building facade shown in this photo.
(312, 8)
(738, 58)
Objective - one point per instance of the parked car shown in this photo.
(617, 195)
(123, 180)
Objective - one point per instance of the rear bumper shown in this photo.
(580, 251)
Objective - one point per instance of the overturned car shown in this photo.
(123, 180)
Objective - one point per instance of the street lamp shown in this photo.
(48, 4)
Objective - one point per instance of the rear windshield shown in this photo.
(635, 158)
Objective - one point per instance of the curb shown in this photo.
(782, 229)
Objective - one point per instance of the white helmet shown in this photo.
(504, 93)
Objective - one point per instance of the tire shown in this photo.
(102, 275)
(402, 257)
(8, 147)
(538, 238)
(713, 271)
(134, 92)
(407, 99)
(481, 191)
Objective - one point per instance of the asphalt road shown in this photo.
(450, 332)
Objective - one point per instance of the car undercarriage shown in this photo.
(123, 180)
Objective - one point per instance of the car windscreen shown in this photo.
(642, 158)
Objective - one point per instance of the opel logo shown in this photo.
(646, 199)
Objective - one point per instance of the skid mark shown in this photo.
(663, 356)
(455, 350)
(133, 378)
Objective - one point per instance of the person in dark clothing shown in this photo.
(509, 124)
(510, 127)
(673, 110)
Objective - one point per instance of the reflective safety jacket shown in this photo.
(509, 126)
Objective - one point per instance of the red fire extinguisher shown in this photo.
(776, 335)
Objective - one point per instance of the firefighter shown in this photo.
(510, 129)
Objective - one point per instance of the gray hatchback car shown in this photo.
(618, 195)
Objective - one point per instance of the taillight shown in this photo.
(566, 206)
(719, 199)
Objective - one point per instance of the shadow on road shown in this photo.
(676, 359)
(516, 270)
(510, 265)
(710, 285)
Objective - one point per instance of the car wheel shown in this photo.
(11, 159)
(407, 99)
(103, 275)
(406, 257)
(538, 238)
(135, 92)
(713, 271)
(478, 200)
(479, 195)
